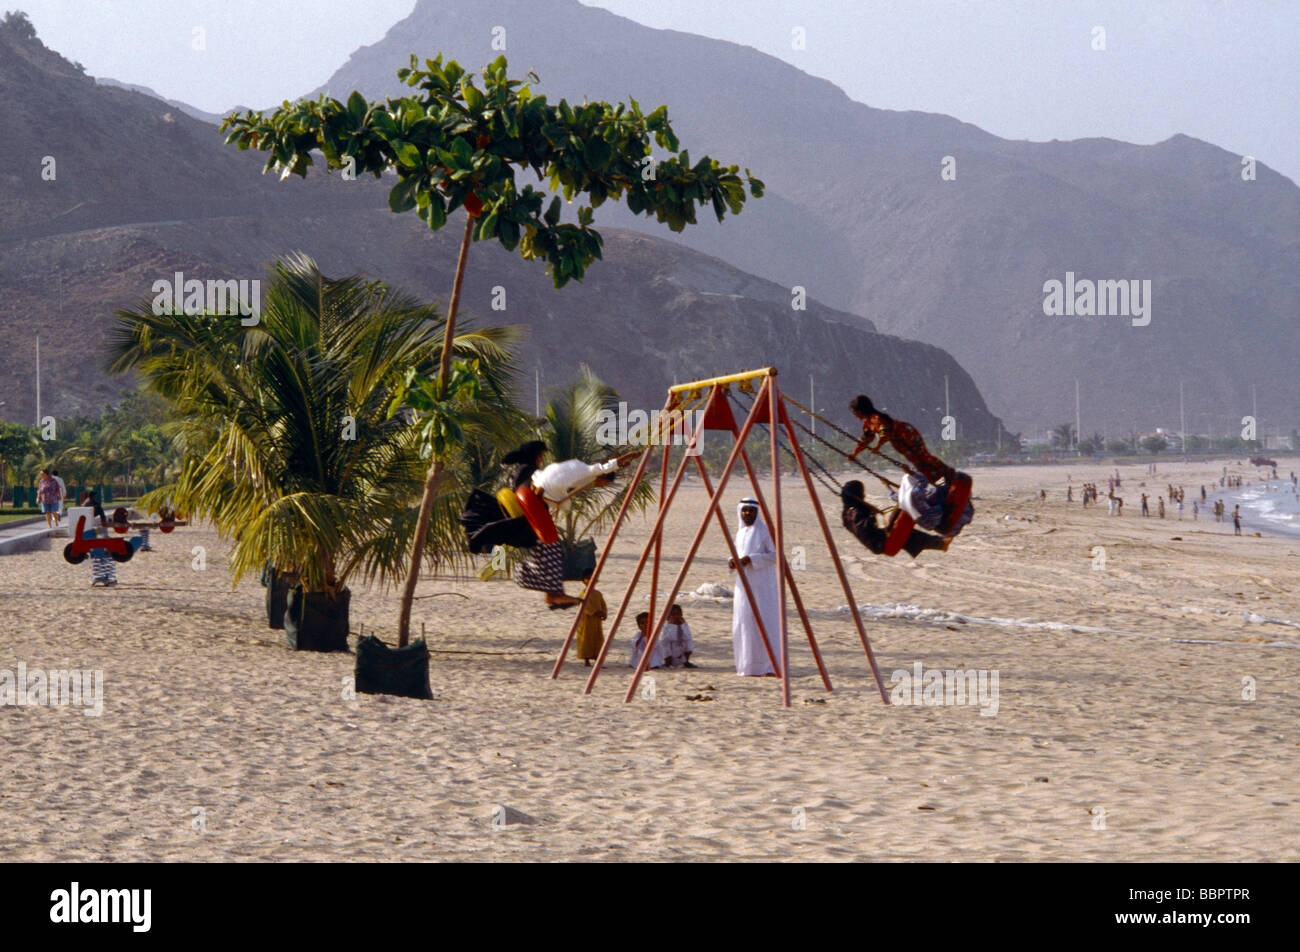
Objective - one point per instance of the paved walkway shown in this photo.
(26, 535)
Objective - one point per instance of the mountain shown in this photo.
(858, 213)
(143, 190)
(193, 111)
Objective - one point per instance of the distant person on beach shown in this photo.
(1160, 507)
(1069, 494)
(677, 640)
(638, 645)
(47, 494)
(1196, 510)
(758, 560)
(1180, 507)
(1202, 492)
(1236, 520)
(1146, 510)
(591, 631)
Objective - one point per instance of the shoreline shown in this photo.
(1247, 497)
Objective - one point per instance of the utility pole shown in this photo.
(1182, 419)
(1254, 415)
(1078, 433)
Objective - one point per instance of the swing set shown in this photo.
(769, 408)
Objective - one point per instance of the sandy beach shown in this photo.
(1146, 706)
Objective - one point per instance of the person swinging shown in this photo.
(538, 487)
(859, 517)
(879, 428)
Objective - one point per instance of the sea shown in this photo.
(1270, 508)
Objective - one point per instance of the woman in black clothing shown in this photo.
(859, 518)
(543, 571)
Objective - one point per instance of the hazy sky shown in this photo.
(1226, 71)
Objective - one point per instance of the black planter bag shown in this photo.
(314, 623)
(403, 672)
(579, 559)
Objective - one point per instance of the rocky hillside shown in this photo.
(143, 190)
(857, 212)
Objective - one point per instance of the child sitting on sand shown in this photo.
(677, 641)
(638, 645)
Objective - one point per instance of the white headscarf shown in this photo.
(754, 539)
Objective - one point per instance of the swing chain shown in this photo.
(843, 432)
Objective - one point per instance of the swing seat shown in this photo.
(902, 528)
(958, 499)
(508, 503)
(538, 516)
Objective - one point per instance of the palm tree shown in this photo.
(291, 445)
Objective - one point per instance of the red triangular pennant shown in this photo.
(717, 415)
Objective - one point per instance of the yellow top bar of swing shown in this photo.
(729, 378)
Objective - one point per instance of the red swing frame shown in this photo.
(769, 408)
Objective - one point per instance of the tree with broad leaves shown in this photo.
(16, 441)
(454, 144)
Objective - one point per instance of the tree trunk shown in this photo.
(435, 464)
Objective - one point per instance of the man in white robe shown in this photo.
(759, 563)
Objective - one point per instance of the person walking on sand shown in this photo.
(63, 496)
(1160, 507)
(1236, 520)
(47, 494)
(1146, 510)
(758, 560)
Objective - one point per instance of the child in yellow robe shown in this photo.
(591, 633)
